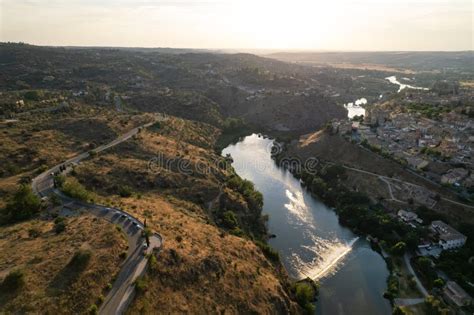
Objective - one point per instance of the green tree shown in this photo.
(305, 295)
(398, 249)
(398, 311)
(438, 283)
(23, 206)
(230, 220)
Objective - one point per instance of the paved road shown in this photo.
(408, 302)
(420, 286)
(123, 289)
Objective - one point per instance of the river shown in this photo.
(356, 109)
(310, 239)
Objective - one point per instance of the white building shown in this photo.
(408, 216)
(449, 238)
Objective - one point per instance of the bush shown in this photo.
(124, 191)
(438, 283)
(247, 189)
(93, 309)
(74, 189)
(141, 285)
(23, 206)
(13, 281)
(230, 220)
(34, 233)
(123, 255)
(398, 311)
(230, 125)
(269, 252)
(33, 95)
(392, 287)
(59, 227)
(398, 249)
(305, 294)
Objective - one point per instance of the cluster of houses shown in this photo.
(417, 141)
(445, 237)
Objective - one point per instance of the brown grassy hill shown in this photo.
(203, 267)
(54, 282)
(204, 270)
(45, 139)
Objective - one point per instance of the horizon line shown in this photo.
(236, 50)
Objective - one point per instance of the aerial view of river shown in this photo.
(310, 239)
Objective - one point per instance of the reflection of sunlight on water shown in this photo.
(325, 255)
(328, 256)
(297, 206)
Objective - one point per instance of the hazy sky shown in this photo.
(248, 24)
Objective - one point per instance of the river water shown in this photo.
(310, 239)
(393, 79)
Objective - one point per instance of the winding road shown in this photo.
(123, 288)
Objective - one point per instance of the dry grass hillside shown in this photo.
(43, 139)
(204, 270)
(208, 263)
(54, 281)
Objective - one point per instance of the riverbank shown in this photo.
(309, 237)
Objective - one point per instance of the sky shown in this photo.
(347, 25)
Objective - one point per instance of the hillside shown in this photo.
(214, 257)
(328, 147)
(199, 86)
(54, 280)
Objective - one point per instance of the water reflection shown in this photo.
(310, 239)
(393, 79)
(355, 108)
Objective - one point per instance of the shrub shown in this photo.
(237, 232)
(438, 283)
(398, 311)
(141, 285)
(179, 238)
(59, 227)
(230, 220)
(392, 287)
(33, 95)
(305, 295)
(34, 233)
(93, 309)
(13, 281)
(398, 249)
(74, 189)
(124, 191)
(269, 252)
(123, 255)
(23, 206)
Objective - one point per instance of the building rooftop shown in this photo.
(445, 231)
(456, 294)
